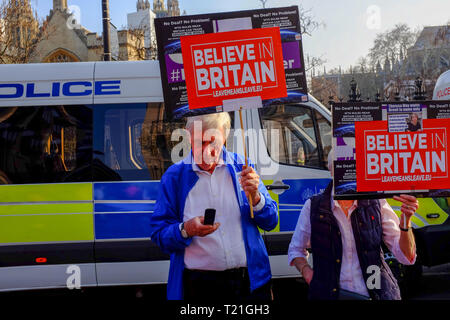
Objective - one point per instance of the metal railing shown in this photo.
(420, 93)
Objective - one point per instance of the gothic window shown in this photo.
(61, 56)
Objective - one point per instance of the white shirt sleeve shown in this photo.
(301, 239)
(260, 204)
(391, 233)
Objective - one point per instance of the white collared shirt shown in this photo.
(351, 277)
(223, 249)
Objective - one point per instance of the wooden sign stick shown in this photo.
(246, 162)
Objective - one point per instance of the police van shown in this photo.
(82, 149)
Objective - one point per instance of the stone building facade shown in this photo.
(65, 41)
(68, 42)
(161, 10)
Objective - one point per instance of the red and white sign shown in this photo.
(232, 65)
(443, 93)
(402, 160)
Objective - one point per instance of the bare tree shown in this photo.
(20, 31)
(313, 62)
(308, 22)
(392, 44)
(142, 42)
(400, 55)
(324, 88)
(412, 53)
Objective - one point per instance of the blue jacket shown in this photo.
(175, 186)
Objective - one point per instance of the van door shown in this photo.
(46, 219)
(290, 149)
(132, 150)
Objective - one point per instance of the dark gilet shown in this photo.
(326, 245)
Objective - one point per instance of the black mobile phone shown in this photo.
(210, 216)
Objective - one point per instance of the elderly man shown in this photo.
(345, 237)
(226, 260)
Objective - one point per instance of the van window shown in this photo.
(324, 127)
(230, 143)
(291, 135)
(132, 141)
(45, 144)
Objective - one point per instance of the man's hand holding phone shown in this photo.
(202, 225)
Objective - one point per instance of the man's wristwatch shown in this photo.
(183, 231)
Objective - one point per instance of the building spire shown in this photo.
(173, 8)
(60, 5)
(158, 5)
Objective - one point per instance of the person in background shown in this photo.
(346, 238)
(228, 260)
(414, 123)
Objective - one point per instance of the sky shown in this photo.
(349, 31)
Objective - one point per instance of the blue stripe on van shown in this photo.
(290, 207)
(122, 225)
(142, 190)
(300, 191)
(135, 223)
(123, 207)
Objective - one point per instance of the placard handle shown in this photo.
(245, 155)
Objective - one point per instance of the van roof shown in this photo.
(38, 84)
(139, 82)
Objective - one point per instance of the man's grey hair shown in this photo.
(220, 120)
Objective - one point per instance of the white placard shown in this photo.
(242, 104)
